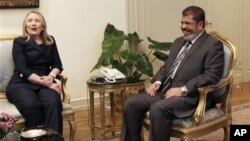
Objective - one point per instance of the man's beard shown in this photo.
(190, 37)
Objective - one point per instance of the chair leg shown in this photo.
(72, 124)
(226, 133)
(142, 135)
(186, 138)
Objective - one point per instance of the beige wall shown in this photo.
(78, 26)
(160, 20)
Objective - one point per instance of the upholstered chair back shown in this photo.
(6, 64)
(6, 70)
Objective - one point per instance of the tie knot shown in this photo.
(188, 43)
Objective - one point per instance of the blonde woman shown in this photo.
(37, 63)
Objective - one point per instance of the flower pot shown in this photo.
(134, 89)
(131, 90)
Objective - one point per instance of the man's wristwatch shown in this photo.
(184, 91)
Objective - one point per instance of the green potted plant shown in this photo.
(122, 51)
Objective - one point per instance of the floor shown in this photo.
(240, 95)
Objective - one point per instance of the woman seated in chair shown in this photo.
(32, 88)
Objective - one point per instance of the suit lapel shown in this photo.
(174, 52)
(193, 48)
(38, 48)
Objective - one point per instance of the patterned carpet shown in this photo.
(240, 114)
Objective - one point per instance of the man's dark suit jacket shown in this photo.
(202, 65)
(32, 58)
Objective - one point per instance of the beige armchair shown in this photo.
(6, 69)
(204, 122)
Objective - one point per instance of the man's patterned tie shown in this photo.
(168, 77)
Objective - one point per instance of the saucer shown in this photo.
(33, 133)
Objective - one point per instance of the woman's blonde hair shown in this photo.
(48, 40)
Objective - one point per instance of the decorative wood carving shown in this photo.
(4, 4)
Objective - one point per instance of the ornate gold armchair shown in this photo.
(204, 122)
(6, 70)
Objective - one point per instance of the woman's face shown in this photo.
(34, 25)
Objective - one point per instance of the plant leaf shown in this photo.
(161, 55)
(144, 65)
(111, 44)
(130, 59)
(164, 46)
(133, 38)
(135, 77)
(130, 62)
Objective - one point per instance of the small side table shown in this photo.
(100, 89)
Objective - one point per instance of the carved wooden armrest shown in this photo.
(203, 91)
(65, 95)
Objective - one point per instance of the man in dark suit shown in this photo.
(174, 94)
